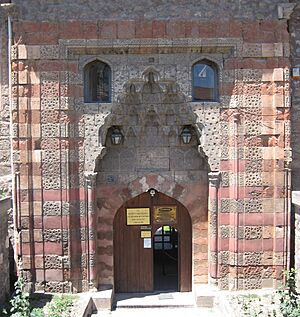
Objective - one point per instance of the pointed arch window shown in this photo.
(97, 82)
(205, 81)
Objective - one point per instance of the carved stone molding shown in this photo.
(90, 179)
(214, 179)
(285, 10)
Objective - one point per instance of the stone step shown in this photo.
(205, 295)
(155, 300)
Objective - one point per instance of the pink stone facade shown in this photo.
(67, 188)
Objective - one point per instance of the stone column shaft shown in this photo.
(214, 182)
(91, 225)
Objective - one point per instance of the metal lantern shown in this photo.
(186, 135)
(116, 136)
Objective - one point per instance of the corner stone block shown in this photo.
(267, 75)
(33, 52)
(39, 261)
(278, 49)
(273, 153)
(268, 50)
(103, 299)
(278, 100)
(267, 101)
(25, 236)
(38, 235)
(34, 77)
(278, 74)
(23, 77)
(22, 51)
(35, 130)
(26, 261)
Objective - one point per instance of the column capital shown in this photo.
(214, 179)
(90, 179)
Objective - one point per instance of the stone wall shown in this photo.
(60, 142)
(5, 205)
(5, 164)
(294, 24)
(39, 10)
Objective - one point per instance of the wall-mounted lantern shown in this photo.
(116, 136)
(186, 135)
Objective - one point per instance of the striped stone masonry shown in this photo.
(66, 200)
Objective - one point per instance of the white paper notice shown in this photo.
(147, 243)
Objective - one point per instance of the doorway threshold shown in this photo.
(154, 300)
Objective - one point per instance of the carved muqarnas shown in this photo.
(151, 115)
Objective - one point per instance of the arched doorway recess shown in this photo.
(133, 241)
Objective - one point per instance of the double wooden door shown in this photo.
(133, 258)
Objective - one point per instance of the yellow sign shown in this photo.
(165, 214)
(138, 216)
(145, 234)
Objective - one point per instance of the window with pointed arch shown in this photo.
(97, 82)
(205, 81)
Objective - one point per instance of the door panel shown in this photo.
(133, 265)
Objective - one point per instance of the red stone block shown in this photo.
(17, 27)
(175, 29)
(285, 35)
(90, 30)
(159, 29)
(26, 249)
(54, 275)
(227, 89)
(235, 29)
(280, 219)
(40, 38)
(268, 25)
(70, 30)
(30, 26)
(250, 246)
(53, 248)
(279, 245)
(38, 248)
(48, 27)
(267, 37)
(250, 31)
(108, 30)
(38, 222)
(126, 29)
(283, 62)
(191, 29)
(223, 244)
(56, 222)
(222, 29)
(207, 29)
(224, 219)
(143, 29)
(268, 244)
(232, 63)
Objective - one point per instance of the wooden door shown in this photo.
(133, 264)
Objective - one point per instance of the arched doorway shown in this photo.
(165, 259)
(135, 226)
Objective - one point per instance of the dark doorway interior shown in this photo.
(165, 247)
